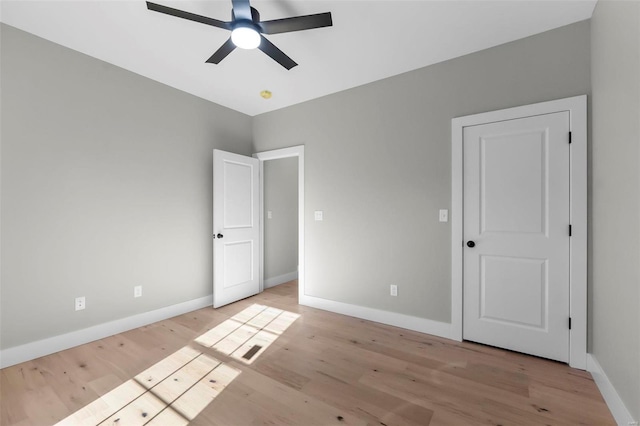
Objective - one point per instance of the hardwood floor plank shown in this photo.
(218, 333)
(197, 398)
(127, 357)
(374, 406)
(264, 318)
(42, 405)
(565, 404)
(271, 402)
(161, 370)
(138, 412)
(11, 393)
(185, 378)
(280, 324)
(102, 408)
(283, 374)
(199, 321)
(168, 417)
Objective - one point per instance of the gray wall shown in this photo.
(281, 231)
(615, 237)
(378, 162)
(106, 184)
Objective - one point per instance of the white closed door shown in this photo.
(236, 227)
(516, 235)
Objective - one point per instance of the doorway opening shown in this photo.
(280, 221)
(272, 266)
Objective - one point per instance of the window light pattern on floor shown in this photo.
(177, 388)
(257, 325)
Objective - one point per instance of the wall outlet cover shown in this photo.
(80, 303)
(393, 290)
(137, 291)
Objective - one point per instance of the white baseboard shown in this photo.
(619, 411)
(33, 350)
(280, 279)
(423, 325)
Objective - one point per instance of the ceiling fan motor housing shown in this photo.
(255, 19)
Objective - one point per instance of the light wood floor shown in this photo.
(324, 369)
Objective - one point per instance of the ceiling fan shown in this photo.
(247, 30)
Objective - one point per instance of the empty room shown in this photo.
(286, 212)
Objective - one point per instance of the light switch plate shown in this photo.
(444, 215)
(318, 215)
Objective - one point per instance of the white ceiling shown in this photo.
(369, 40)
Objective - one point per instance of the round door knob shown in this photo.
(219, 236)
(470, 244)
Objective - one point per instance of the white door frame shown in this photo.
(577, 107)
(294, 151)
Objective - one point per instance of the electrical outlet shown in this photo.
(80, 303)
(394, 290)
(318, 215)
(444, 215)
(269, 214)
(137, 291)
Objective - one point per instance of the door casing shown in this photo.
(577, 108)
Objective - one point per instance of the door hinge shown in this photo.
(569, 323)
(570, 230)
(569, 137)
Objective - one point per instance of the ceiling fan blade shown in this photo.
(297, 23)
(241, 9)
(222, 52)
(276, 54)
(187, 15)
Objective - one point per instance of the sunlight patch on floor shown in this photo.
(257, 326)
(177, 388)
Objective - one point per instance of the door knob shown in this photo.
(219, 236)
(470, 244)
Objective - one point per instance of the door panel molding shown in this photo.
(577, 108)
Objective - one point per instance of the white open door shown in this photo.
(517, 235)
(236, 227)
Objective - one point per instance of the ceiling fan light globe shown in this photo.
(245, 38)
